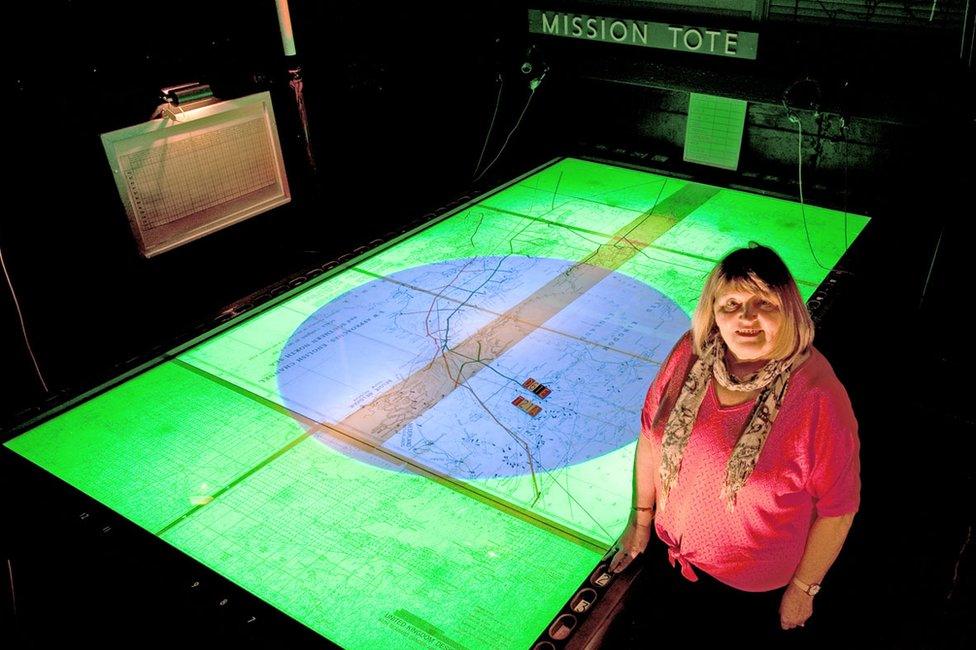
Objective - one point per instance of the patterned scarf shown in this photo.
(772, 380)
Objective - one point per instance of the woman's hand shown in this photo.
(795, 608)
(632, 543)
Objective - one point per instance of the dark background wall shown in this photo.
(396, 108)
(400, 98)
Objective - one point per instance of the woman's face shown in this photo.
(749, 323)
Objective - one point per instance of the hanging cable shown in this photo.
(491, 126)
(510, 133)
(965, 28)
(298, 87)
(814, 103)
(847, 184)
(23, 328)
(799, 173)
(13, 590)
(928, 277)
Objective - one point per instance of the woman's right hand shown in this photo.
(632, 543)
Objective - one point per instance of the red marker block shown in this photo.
(539, 389)
(527, 406)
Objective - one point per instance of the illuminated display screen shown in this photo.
(355, 456)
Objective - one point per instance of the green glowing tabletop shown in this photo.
(356, 453)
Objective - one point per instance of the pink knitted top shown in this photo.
(808, 468)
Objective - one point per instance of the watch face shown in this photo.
(814, 589)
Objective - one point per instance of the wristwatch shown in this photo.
(810, 590)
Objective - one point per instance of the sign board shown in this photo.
(696, 39)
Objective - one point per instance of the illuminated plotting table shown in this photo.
(351, 453)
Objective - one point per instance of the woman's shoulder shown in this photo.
(683, 348)
(677, 357)
(684, 343)
(816, 377)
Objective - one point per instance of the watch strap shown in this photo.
(810, 590)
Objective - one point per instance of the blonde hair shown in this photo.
(757, 269)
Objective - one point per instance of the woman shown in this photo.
(747, 464)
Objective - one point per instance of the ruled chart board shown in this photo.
(197, 171)
(714, 130)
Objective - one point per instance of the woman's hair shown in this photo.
(760, 270)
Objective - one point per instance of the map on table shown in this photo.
(452, 415)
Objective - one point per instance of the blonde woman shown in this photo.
(746, 474)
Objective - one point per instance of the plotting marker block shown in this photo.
(527, 406)
(541, 390)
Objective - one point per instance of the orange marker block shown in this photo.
(539, 389)
(527, 406)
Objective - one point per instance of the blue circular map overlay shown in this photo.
(426, 363)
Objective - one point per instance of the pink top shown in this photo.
(808, 468)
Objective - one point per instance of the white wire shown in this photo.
(510, 133)
(799, 174)
(972, 39)
(799, 158)
(13, 591)
(955, 571)
(928, 277)
(965, 25)
(498, 101)
(23, 328)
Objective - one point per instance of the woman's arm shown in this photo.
(634, 539)
(824, 541)
(645, 495)
(637, 533)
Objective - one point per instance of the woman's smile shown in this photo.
(748, 333)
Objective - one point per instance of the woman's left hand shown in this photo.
(795, 608)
